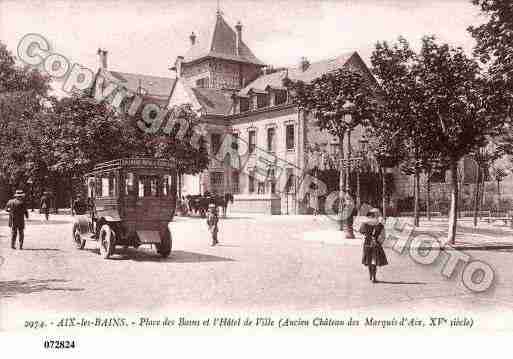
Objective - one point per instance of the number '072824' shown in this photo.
(58, 344)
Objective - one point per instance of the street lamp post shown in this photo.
(347, 217)
(363, 155)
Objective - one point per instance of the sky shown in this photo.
(146, 36)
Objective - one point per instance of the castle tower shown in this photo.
(220, 61)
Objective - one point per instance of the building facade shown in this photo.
(241, 97)
(262, 145)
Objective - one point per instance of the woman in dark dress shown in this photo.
(373, 253)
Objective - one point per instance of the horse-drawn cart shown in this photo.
(131, 202)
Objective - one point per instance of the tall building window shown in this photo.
(235, 141)
(235, 182)
(216, 178)
(252, 141)
(270, 139)
(280, 97)
(244, 104)
(216, 142)
(290, 184)
(251, 183)
(289, 137)
(261, 187)
(271, 178)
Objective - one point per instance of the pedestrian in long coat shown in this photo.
(45, 205)
(373, 253)
(17, 213)
(212, 221)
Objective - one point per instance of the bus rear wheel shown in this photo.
(164, 247)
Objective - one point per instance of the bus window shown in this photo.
(105, 187)
(90, 187)
(98, 187)
(165, 186)
(129, 183)
(112, 186)
(148, 186)
(153, 186)
(141, 187)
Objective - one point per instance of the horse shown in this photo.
(199, 203)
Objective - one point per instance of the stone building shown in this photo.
(240, 96)
(242, 102)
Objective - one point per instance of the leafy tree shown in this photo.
(386, 147)
(23, 95)
(456, 109)
(84, 132)
(81, 133)
(14, 78)
(495, 48)
(403, 98)
(442, 106)
(327, 97)
(165, 143)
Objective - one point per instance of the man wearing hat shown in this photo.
(79, 205)
(17, 214)
(212, 220)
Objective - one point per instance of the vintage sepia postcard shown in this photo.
(205, 168)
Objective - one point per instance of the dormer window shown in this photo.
(280, 97)
(262, 100)
(244, 104)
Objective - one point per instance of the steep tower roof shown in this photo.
(222, 45)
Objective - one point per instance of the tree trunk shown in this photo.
(498, 198)
(428, 196)
(55, 195)
(384, 191)
(71, 195)
(358, 190)
(453, 214)
(416, 196)
(482, 193)
(460, 195)
(179, 185)
(476, 196)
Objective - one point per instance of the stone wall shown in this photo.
(193, 72)
(221, 74)
(264, 204)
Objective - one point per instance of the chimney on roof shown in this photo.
(102, 58)
(304, 64)
(238, 38)
(178, 66)
(193, 38)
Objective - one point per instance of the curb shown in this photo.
(472, 247)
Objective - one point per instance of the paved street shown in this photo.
(263, 263)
